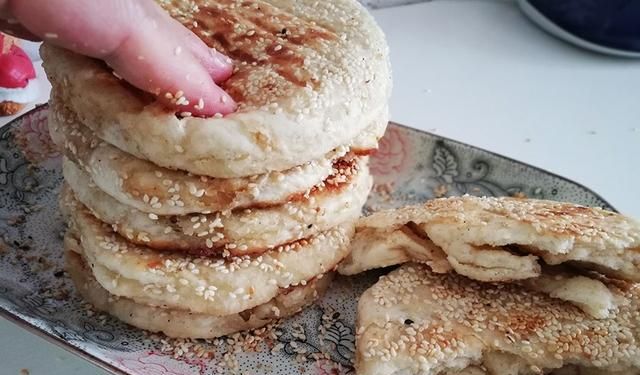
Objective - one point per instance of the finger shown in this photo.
(219, 66)
(141, 46)
(9, 25)
(177, 78)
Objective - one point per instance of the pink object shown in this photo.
(16, 69)
(392, 155)
(33, 139)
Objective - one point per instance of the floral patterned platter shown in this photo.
(409, 167)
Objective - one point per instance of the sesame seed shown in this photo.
(200, 104)
(179, 149)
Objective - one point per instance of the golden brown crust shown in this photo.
(217, 286)
(152, 189)
(257, 34)
(239, 232)
(414, 321)
(180, 323)
(310, 76)
(502, 239)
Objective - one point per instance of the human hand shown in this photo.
(137, 39)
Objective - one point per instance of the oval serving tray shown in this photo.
(410, 166)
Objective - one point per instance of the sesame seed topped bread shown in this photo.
(502, 239)
(161, 191)
(414, 321)
(208, 285)
(239, 232)
(309, 77)
(587, 291)
(182, 323)
(378, 248)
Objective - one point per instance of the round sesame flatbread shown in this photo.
(502, 239)
(213, 286)
(161, 191)
(414, 321)
(184, 324)
(239, 232)
(310, 76)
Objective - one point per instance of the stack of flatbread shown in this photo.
(498, 286)
(200, 227)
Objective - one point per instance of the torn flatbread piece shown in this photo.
(415, 321)
(500, 239)
(508, 240)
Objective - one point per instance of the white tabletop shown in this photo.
(479, 72)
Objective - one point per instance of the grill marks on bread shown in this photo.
(457, 323)
(257, 35)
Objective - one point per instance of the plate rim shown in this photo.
(59, 342)
(513, 160)
(101, 363)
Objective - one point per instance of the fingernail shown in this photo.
(219, 57)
